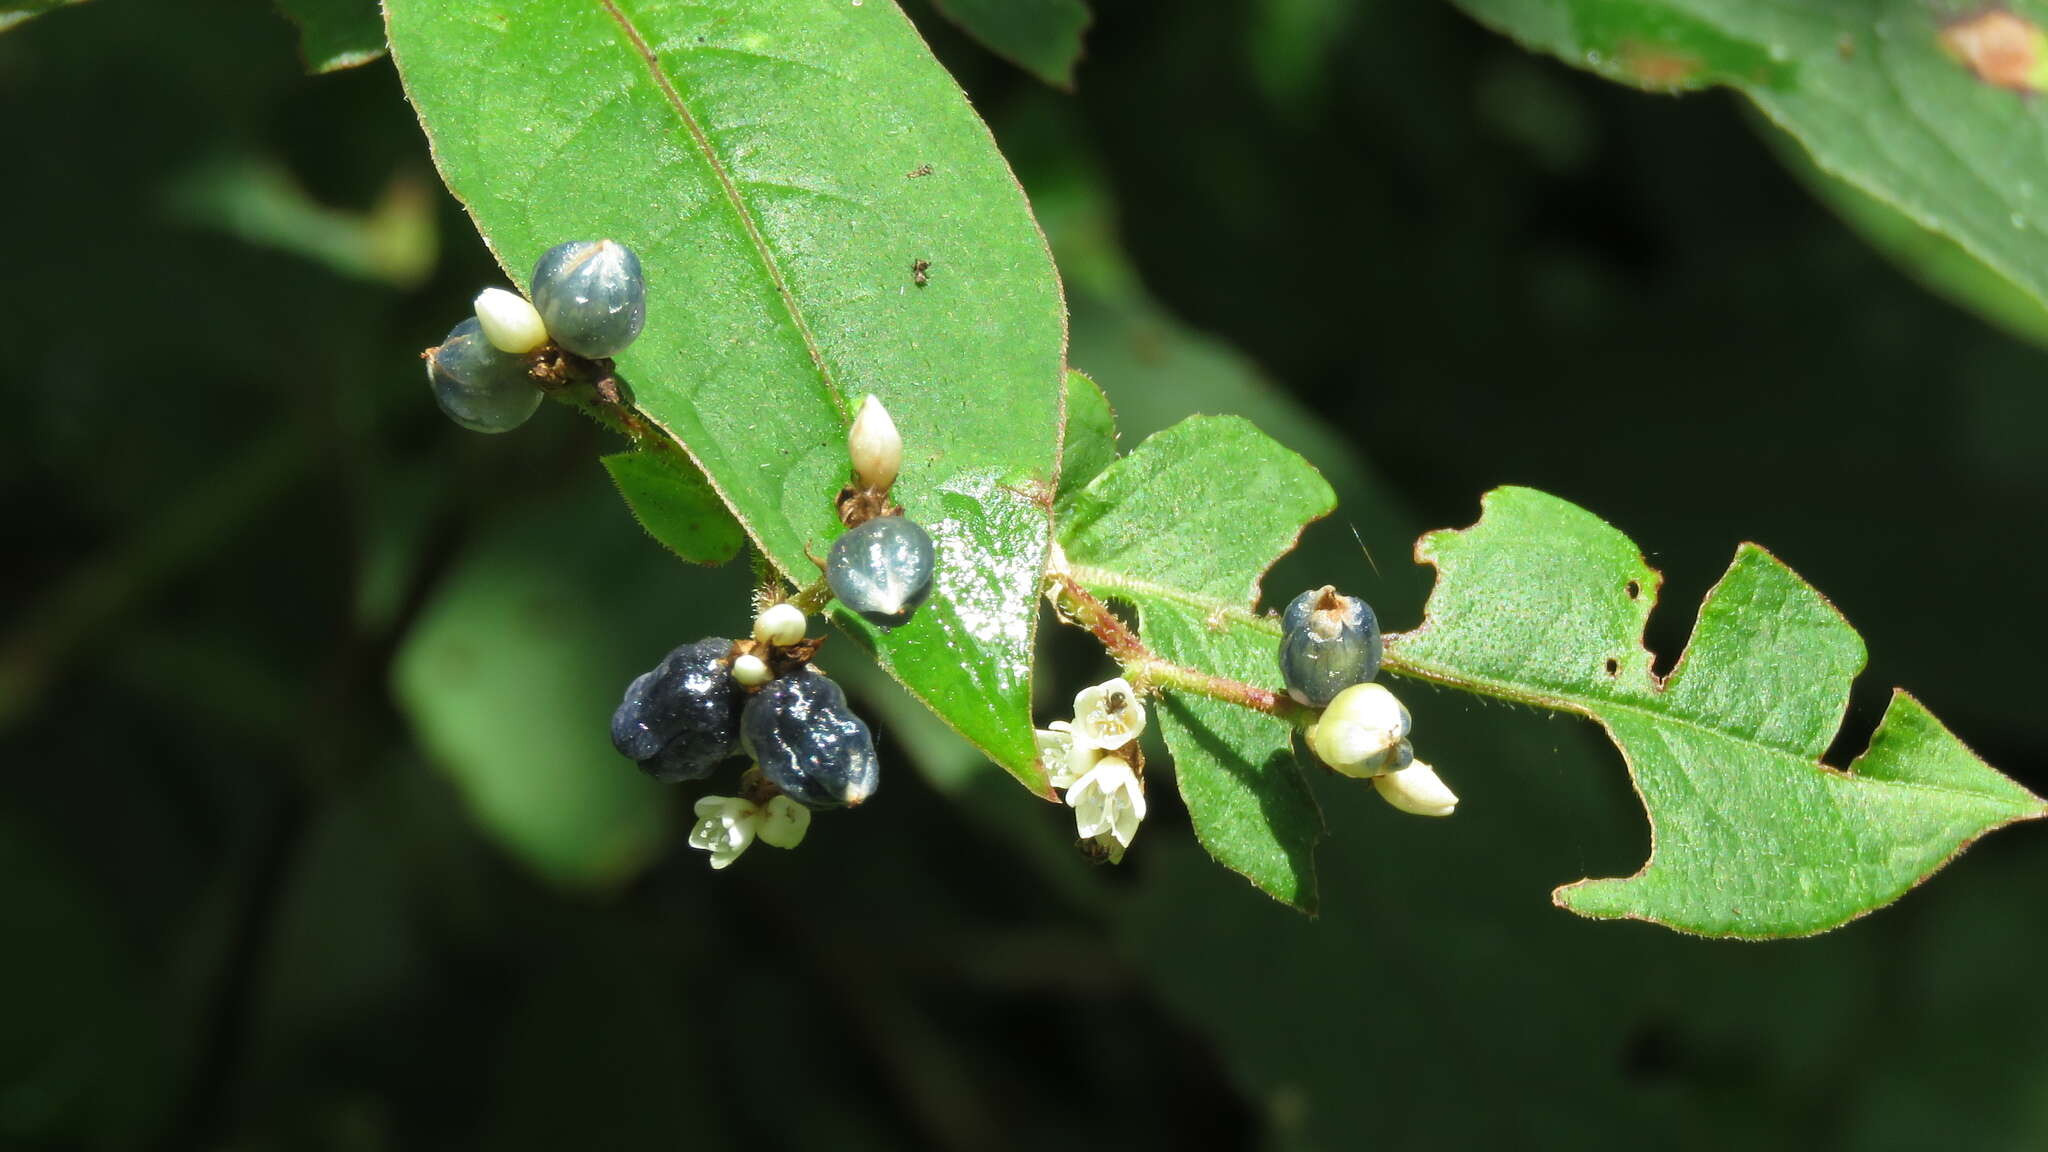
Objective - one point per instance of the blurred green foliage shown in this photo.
(257, 910)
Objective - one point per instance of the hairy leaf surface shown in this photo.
(677, 508)
(820, 215)
(1157, 530)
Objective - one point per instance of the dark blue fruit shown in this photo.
(882, 569)
(808, 742)
(682, 718)
(1329, 641)
(591, 296)
(479, 387)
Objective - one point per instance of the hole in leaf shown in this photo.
(1613, 666)
(1635, 589)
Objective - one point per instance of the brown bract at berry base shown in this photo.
(858, 505)
(781, 659)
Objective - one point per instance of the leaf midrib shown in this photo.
(731, 191)
(1591, 707)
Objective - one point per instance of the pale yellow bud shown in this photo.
(875, 446)
(509, 321)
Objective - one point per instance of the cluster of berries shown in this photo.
(589, 300)
(714, 699)
(1096, 759)
(1330, 650)
(711, 700)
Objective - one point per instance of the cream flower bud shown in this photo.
(1361, 731)
(783, 823)
(725, 827)
(1108, 716)
(781, 624)
(1108, 800)
(1416, 789)
(875, 446)
(751, 671)
(509, 321)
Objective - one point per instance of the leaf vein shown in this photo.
(731, 189)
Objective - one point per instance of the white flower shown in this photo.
(875, 446)
(725, 826)
(1108, 716)
(1416, 789)
(1065, 761)
(1107, 846)
(509, 321)
(1360, 733)
(1108, 801)
(783, 823)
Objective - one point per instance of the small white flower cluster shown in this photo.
(1364, 734)
(726, 825)
(1096, 760)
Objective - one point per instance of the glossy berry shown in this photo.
(680, 719)
(1329, 641)
(808, 742)
(591, 296)
(479, 387)
(882, 569)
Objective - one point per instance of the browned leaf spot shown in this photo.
(1998, 47)
(1657, 66)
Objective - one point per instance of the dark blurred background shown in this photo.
(312, 838)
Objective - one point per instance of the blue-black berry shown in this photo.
(882, 569)
(680, 719)
(591, 296)
(808, 742)
(479, 387)
(1329, 641)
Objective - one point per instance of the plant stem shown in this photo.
(595, 388)
(1148, 670)
(812, 599)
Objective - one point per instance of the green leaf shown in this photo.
(1917, 105)
(1090, 444)
(780, 165)
(1182, 529)
(511, 673)
(1043, 37)
(1937, 262)
(1238, 775)
(336, 34)
(677, 508)
(13, 12)
(1543, 603)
